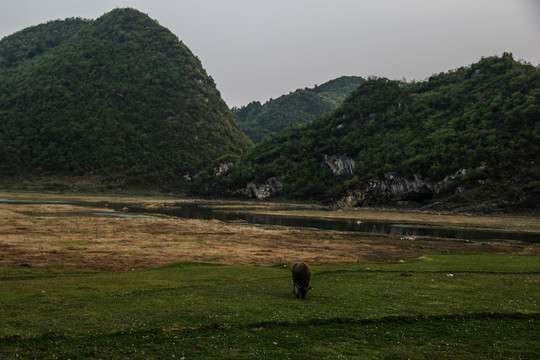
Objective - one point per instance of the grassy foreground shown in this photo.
(439, 306)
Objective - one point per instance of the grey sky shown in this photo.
(259, 49)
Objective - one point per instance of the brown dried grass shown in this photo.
(65, 236)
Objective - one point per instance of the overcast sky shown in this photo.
(261, 49)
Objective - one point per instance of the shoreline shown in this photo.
(64, 236)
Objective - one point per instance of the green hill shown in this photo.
(300, 106)
(469, 137)
(118, 97)
(36, 40)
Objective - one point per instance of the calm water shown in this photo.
(381, 227)
(207, 212)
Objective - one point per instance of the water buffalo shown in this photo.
(301, 274)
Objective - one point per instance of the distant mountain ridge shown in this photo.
(469, 137)
(298, 107)
(119, 96)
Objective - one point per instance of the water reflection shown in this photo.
(30, 201)
(206, 212)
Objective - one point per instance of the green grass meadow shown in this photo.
(466, 306)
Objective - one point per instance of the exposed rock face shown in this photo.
(222, 168)
(397, 188)
(262, 191)
(390, 187)
(339, 164)
(394, 188)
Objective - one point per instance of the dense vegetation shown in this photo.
(300, 106)
(483, 117)
(118, 97)
(447, 307)
(36, 40)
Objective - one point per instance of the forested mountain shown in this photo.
(471, 135)
(36, 40)
(300, 106)
(120, 97)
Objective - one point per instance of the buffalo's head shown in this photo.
(303, 291)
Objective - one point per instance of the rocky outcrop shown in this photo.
(394, 188)
(339, 164)
(222, 168)
(262, 191)
(389, 188)
(398, 188)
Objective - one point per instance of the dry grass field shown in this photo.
(60, 235)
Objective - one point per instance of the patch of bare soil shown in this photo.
(64, 236)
